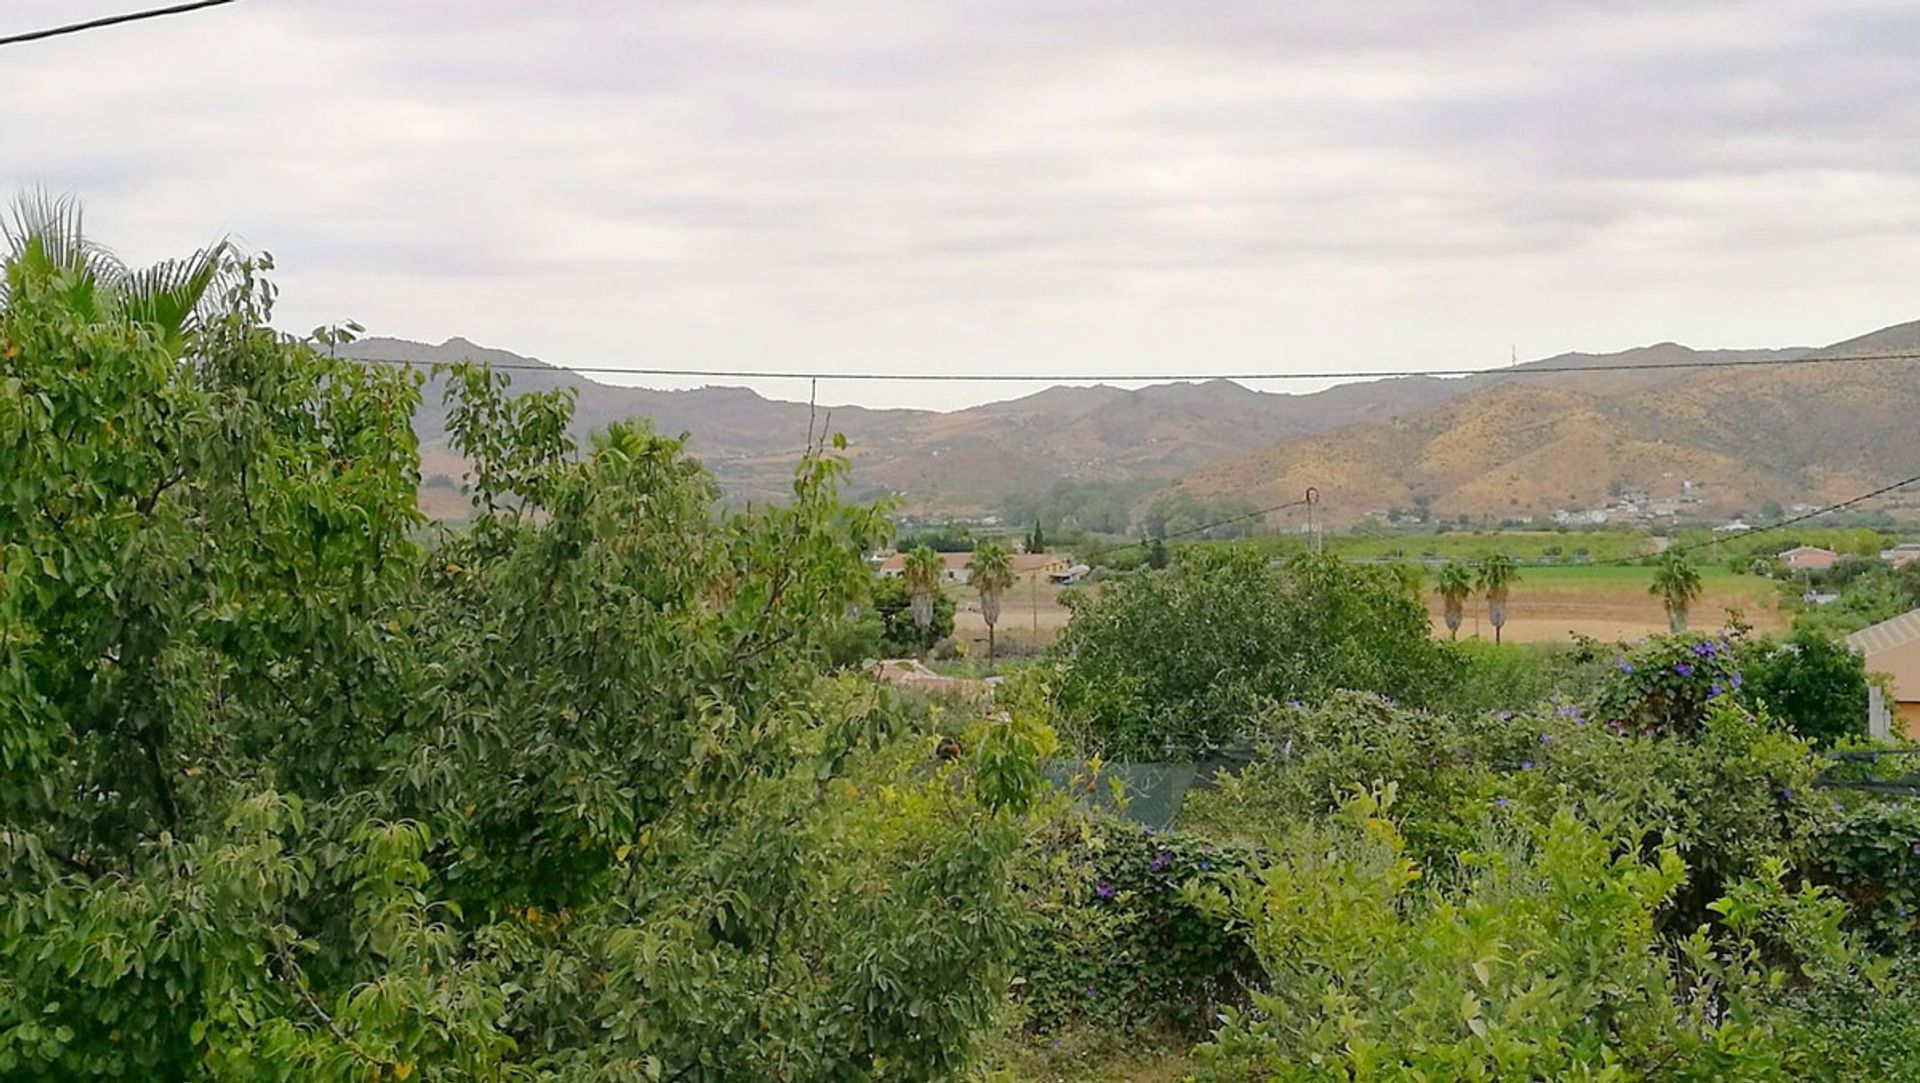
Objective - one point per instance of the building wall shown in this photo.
(1902, 663)
(1906, 716)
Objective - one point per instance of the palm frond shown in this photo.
(173, 296)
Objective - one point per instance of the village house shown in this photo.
(1892, 647)
(1901, 555)
(1809, 558)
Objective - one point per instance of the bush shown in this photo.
(1175, 662)
(1816, 684)
(1739, 791)
(1536, 957)
(1871, 856)
(1667, 684)
(1111, 938)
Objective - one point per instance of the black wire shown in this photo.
(1057, 378)
(1677, 550)
(110, 20)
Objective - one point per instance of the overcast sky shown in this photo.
(1008, 186)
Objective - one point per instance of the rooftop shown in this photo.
(1895, 632)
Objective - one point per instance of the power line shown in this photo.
(110, 20)
(1161, 377)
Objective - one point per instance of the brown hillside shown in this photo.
(1796, 434)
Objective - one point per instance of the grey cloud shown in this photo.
(755, 182)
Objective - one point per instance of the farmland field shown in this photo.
(1605, 602)
(1612, 603)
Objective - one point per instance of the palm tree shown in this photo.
(991, 572)
(922, 570)
(45, 238)
(1456, 583)
(1497, 575)
(1677, 583)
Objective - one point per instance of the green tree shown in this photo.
(1037, 541)
(991, 573)
(46, 239)
(1456, 582)
(1498, 573)
(1677, 584)
(1812, 682)
(1181, 661)
(1157, 557)
(921, 571)
(292, 789)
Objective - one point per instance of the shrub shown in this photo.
(1666, 684)
(1111, 938)
(1536, 957)
(1739, 791)
(1871, 856)
(1814, 683)
(1174, 662)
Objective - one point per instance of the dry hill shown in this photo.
(1527, 446)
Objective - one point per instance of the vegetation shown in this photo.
(289, 795)
(1172, 663)
(922, 573)
(1497, 575)
(1814, 683)
(296, 786)
(1456, 582)
(1677, 584)
(991, 573)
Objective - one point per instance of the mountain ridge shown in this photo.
(1507, 442)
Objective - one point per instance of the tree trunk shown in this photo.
(1676, 619)
(1497, 616)
(1453, 623)
(990, 611)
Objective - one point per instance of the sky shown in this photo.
(1040, 186)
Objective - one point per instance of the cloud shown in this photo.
(1000, 186)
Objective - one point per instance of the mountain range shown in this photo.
(1507, 443)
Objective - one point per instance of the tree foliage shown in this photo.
(289, 793)
(1178, 661)
(1456, 582)
(1497, 574)
(991, 573)
(1676, 582)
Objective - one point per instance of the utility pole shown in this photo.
(1313, 529)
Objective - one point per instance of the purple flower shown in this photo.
(1526, 765)
(1506, 716)
(1625, 666)
(1916, 849)
(1499, 802)
(1161, 861)
(1683, 669)
(1103, 890)
(1736, 680)
(1706, 648)
(1786, 794)
(1714, 689)
(1093, 990)
(1546, 738)
(1294, 703)
(1565, 711)
(1204, 866)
